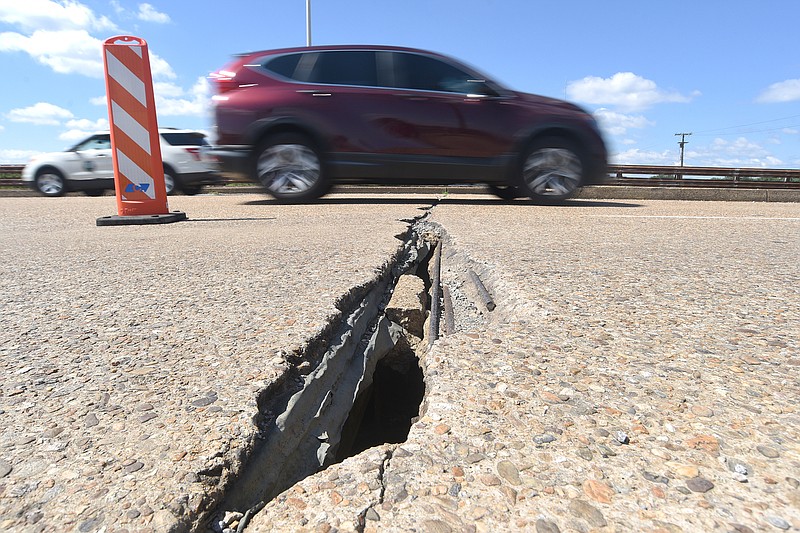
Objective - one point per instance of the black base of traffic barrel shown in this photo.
(139, 220)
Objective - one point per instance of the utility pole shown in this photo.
(682, 143)
(308, 22)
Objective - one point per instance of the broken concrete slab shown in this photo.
(408, 306)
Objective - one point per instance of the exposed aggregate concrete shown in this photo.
(638, 374)
(134, 357)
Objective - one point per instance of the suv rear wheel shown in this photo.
(290, 168)
(169, 181)
(50, 182)
(552, 171)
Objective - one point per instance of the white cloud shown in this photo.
(635, 156)
(80, 128)
(174, 101)
(625, 90)
(65, 51)
(740, 152)
(618, 123)
(49, 15)
(71, 52)
(118, 9)
(160, 69)
(148, 13)
(783, 91)
(171, 100)
(86, 124)
(42, 114)
(58, 34)
(17, 157)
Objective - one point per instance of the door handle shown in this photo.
(413, 97)
(316, 93)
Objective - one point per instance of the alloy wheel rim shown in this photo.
(169, 183)
(553, 172)
(288, 169)
(50, 184)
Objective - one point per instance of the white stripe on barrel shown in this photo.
(131, 127)
(129, 81)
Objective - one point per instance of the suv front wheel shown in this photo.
(50, 182)
(552, 171)
(290, 168)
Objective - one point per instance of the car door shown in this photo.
(92, 159)
(350, 92)
(426, 85)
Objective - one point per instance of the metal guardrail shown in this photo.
(11, 175)
(750, 175)
(649, 176)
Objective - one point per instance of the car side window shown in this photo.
(184, 138)
(97, 142)
(347, 67)
(285, 65)
(415, 71)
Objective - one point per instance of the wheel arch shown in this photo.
(551, 131)
(51, 168)
(263, 129)
(168, 168)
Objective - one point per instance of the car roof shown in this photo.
(328, 48)
(160, 130)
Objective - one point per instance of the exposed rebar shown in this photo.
(436, 294)
(482, 292)
(449, 318)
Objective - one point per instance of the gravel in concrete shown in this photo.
(640, 373)
(133, 356)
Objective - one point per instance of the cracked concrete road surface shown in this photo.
(638, 373)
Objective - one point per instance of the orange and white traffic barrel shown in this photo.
(135, 142)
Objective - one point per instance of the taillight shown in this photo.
(224, 81)
(195, 153)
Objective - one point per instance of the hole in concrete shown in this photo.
(364, 386)
(385, 412)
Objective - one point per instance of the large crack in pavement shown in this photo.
(302, 417)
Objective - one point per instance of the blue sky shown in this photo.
(728, 71)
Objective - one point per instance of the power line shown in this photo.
(712, 131)
(747, 132)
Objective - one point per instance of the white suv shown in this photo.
(88, 166)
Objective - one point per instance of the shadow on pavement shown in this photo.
(451, 201)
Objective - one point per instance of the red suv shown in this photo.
(298, 120)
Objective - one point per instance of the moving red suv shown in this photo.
(298, 120)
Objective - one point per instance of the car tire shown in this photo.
(551, 170)
(191, 190)
(50, 182)
(290, 168)
(506, 192)
(169, 181)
